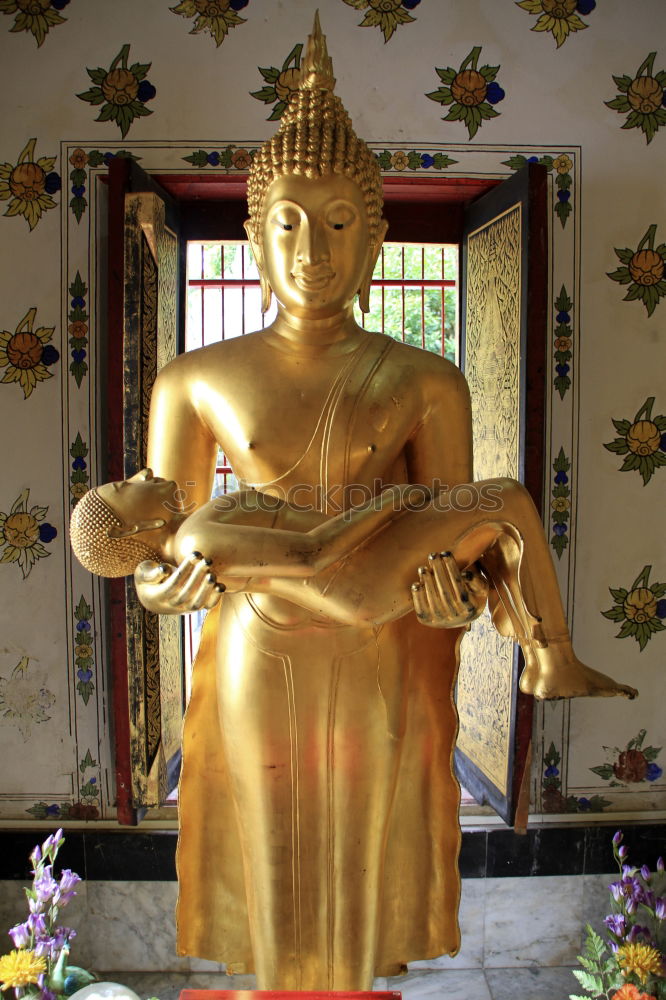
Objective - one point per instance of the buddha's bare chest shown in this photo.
(314, 422)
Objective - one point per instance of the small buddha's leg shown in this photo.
(521, 567)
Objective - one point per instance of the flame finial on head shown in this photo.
(317, 65)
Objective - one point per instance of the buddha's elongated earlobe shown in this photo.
(373, 254)
(264, 284)
(134, 529)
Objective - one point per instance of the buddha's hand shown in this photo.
(176, 590)
(445, 596)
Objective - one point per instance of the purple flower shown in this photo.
(47, 532)
(623, 852)
(617, 838)
(586, 6)
(660, 864)
(616, 924)
(494, 93)
(45, 888)
(68, 880)
(52, 183)
(660, 908)
(20, 935)
(146, 91)
(84, 675)
(653, 772)
(563, 317)
(637, 931)
(617, 891)
(646, 874)
(36, 856)
(50, 355)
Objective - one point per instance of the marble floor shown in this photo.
(554, 983)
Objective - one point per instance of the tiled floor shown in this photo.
(455, 984)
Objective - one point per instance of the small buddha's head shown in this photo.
(315, 169)
(111, 525)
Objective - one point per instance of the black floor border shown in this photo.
(110, 855)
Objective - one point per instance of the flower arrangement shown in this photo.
(37, 965)
(631, 964)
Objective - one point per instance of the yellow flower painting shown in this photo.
(27, 354)
(28, 185)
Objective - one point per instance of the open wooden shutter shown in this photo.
(147, 651)
(503, 309)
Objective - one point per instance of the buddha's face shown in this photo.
(315, 247)
(141, 498)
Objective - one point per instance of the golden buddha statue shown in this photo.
(318, 808)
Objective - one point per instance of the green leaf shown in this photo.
(198, 159)
(629, 628)
(92, 96)
(614, 615)
(442, 95)
(630, 463)
(83, 611)
(563, 303)
(447, 75)
(624, 254)
(621, 274)
(489, 73)
(604, 771)
(456, 113)
(618, 446)
(621, 426)
(623, 82)
(618, 103)
(269, 73)
(593, 984)
(487, 111)
(619, 593)
(515, 162)
(277, 111)
(140, 69)
(547, 161)
(266, 94)
(564, 182)
(107, 113)
(98, 75)
(563, 211)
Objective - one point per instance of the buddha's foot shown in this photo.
(557, 673)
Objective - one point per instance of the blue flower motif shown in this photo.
(552, 771)
(146, 91)
(78, 355)
(410, 4)
(494, 93)
(108, 157)
(584, 805)
(586, 6)
(47, 532)
(238, 4)
(78, 190)
(52, 183)
(78, 302)
(79, 463)
(560, 529)
(532, 159)
(562, 369)
(653, 772)
(661, 608)
(54, 810)
(561, 477)
(84, 675)
(662, 443)
(213, 159)
(563, 195)
(83, 626)
(427, 161)
(50, 355)
(563, 317)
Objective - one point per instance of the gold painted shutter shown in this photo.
(153, 642)
(503, 308)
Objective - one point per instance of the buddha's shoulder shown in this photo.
(418, 363)
(226, 354)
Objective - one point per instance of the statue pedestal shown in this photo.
(290, 995)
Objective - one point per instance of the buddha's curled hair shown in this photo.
(90, 523)
(315, 138)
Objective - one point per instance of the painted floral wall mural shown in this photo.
(281, 83)
(214, 16)
(387, 15)
(27, 354)
(24, 699)
(641, 98)
(642, 270)
(559, 17)
(29, 184)
(24, 532)
(640, 609)
(469, 92)
(35, 16)
(642, 441)
(121, 91)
